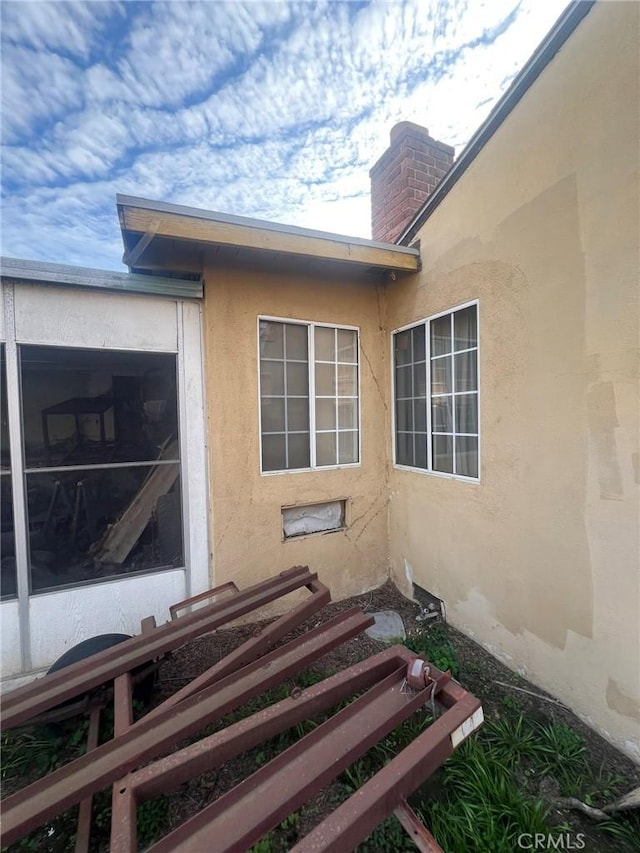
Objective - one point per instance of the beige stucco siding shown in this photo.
(540, 560)
(246, 536)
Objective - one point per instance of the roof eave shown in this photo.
(209, 228)
(27, 271)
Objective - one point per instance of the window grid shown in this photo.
(313, 431)
(285, 361)
(337, 397)
(408, 440)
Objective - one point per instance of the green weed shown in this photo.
(434, 644)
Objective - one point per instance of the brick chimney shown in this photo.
(406, 174)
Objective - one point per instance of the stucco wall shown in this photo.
(246, 535)
(539, 561)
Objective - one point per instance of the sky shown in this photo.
(275, 110)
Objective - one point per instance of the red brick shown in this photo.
(403, 178)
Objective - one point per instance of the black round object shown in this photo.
(142, 691)
(87, 648)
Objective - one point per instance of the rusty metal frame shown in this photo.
(357, 817)
(203, 596)
(238, 819)
(242, 816)
(21, 705)
(148, 738)
(397, 685)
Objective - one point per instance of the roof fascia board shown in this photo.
(216, 228)
(26, 271)
(542, 56)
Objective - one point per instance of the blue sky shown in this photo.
(275, 110)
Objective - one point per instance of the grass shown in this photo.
(29, 756)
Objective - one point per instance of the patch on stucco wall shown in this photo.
(619, 701)
(602, 415)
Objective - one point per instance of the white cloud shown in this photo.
(274, 109)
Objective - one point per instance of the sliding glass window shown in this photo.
(436, 394)
(309, 399)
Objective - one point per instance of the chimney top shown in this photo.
(403, 127)
(404, 176)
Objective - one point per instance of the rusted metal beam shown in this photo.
(203, 596)
(353, 821)
(258, 804)
(43, 694)
(416, 830)
(84, 814)
(48, 797)
(122, 704)
(253, 648)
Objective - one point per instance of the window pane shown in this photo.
(404, 448)
(404, 415)
(296, 341)
(467, 456)
(467, 413)
(443, 453)
(273, 414)
(402, 347)
(420, 414)
(420, 441)
(83, 407)
(272, 377)
(8, 582)
(347, 380)
(404, 386)
(441, 415)
(273, 453)
(297, 414)
(326, 448)
(326, 414)
(325, 344)
(417, 335)
(466, 371)
(271, 339)
(297, 380)
(420, 379)
(441, 376)
(441, 335)
(347, 447)
(325, 380)
(89, 525)
(465, 328)
(348, 414)
(347, 346)
(299, 450)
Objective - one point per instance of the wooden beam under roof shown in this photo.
(210, 229)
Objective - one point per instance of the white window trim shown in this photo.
(423, 322)
(310, 324)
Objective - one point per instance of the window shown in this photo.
(309, 416)
(102, 463)
(436, 394)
